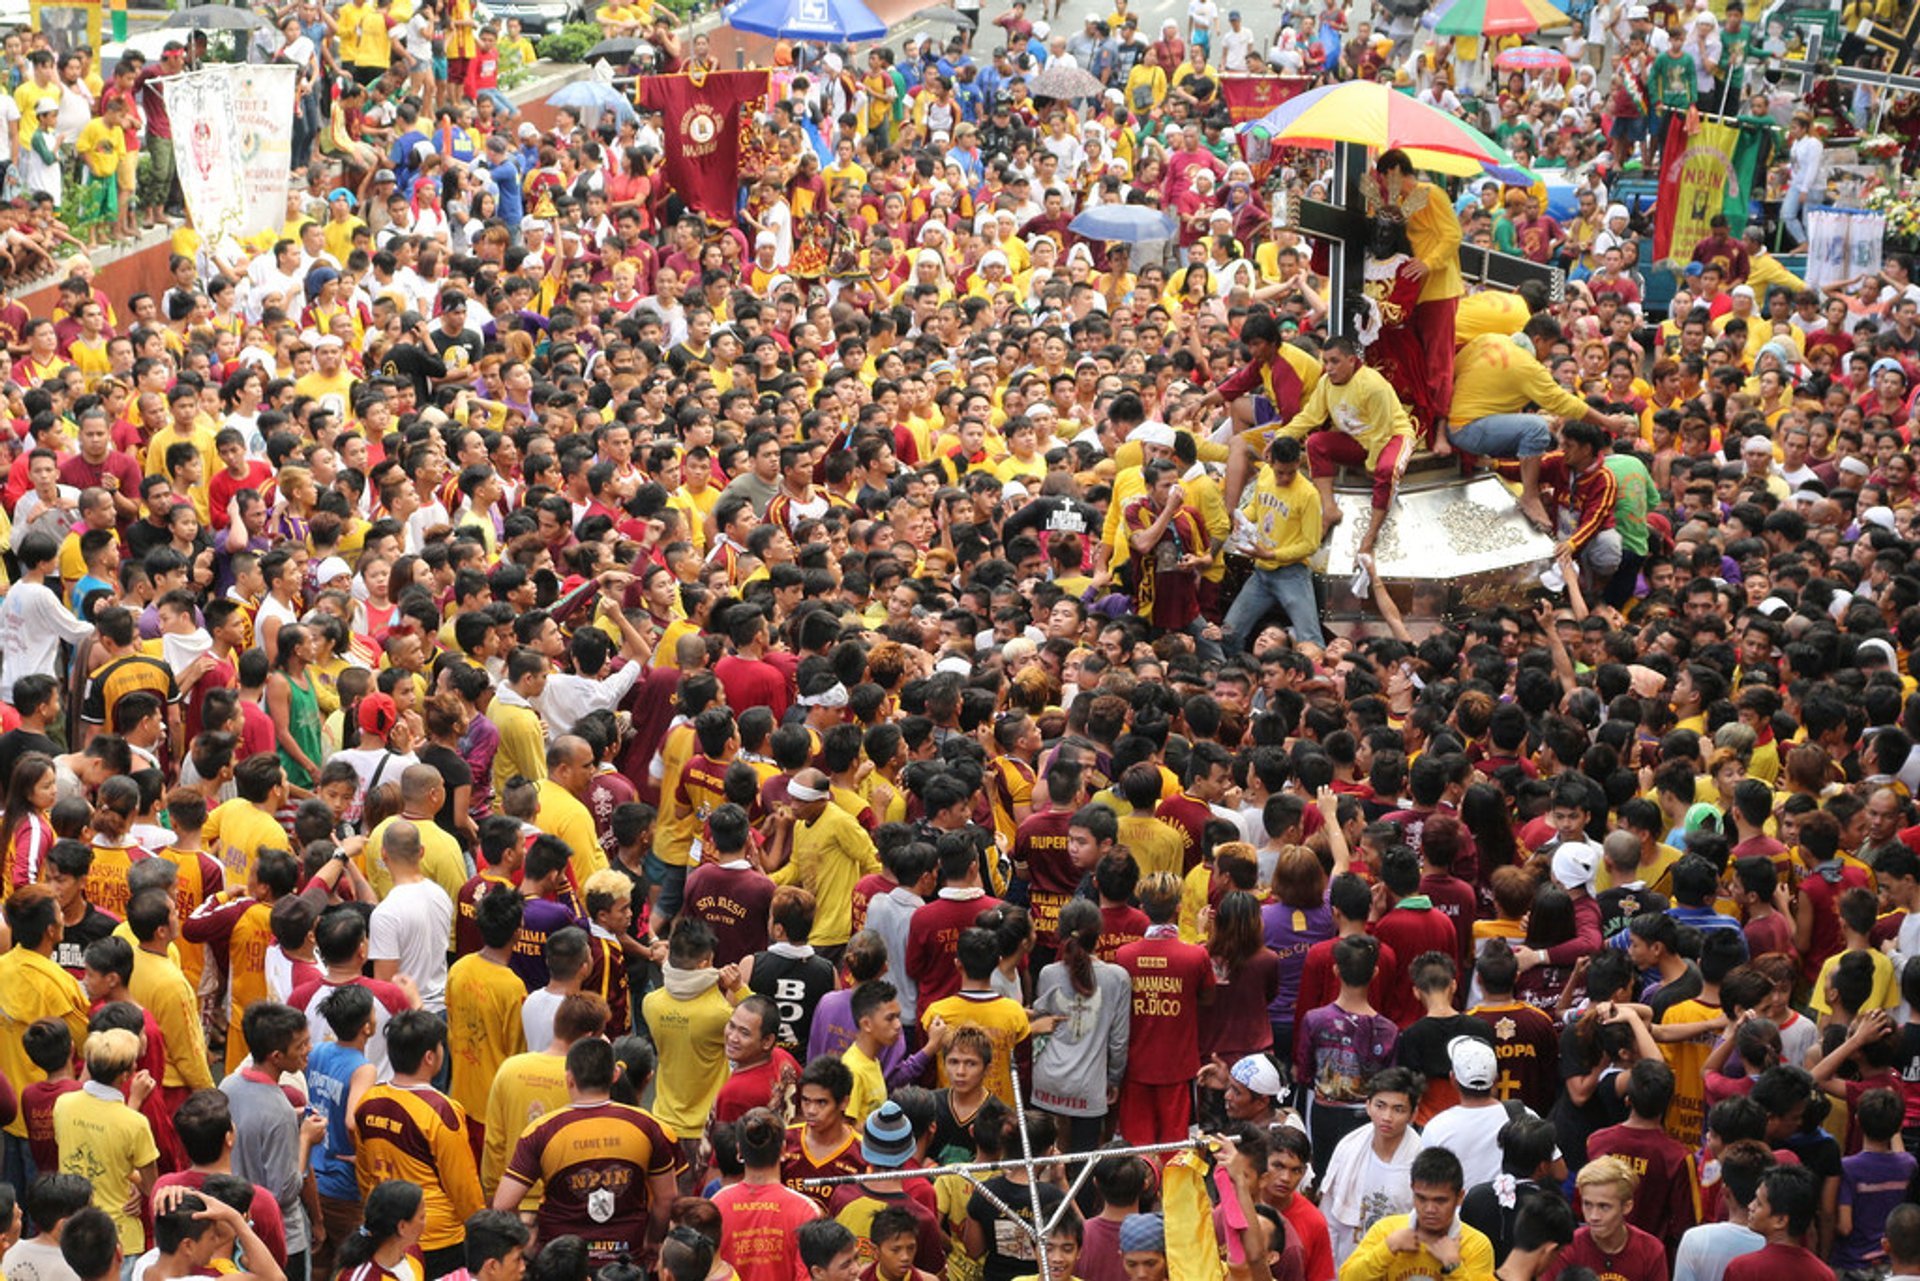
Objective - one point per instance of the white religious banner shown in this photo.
(200, 105)
(232, 148)
(1828, 249)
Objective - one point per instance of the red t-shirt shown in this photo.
(1771, 933)
(1411, 931)
(1120, 926)
(701, 122)
(1041, 844)
(867, 889)
(1170, 979)
(1643, 1258)
(752, 682)
(1319, 985)
(1771, 1262)
(1316, 1246)
(222, 487)
(36, 1111)
(753, 1088)
(759, 1223)
(734, 903)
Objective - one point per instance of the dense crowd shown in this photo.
(548, 733)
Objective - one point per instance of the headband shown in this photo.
(833, 696)
(801, 792)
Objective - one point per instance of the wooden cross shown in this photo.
(1343, 223)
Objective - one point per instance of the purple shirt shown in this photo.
(1290, 931)
(478, 748)
(1872, 1183)
(541, 918)
(1338, 1052)
(832, 1031)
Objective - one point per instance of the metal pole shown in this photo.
(1033, 1184)
(976, 1167)
(1073, 1191)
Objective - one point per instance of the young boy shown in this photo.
(1003, 1020)
(1368, 1173)
(894, 1237)
(1606, 1241)
(1668, 1194)
(1337, 1047)
(1782, 1211)
(1859, 909)
(876, 1015)
(49, 1047)
(1872, 1181)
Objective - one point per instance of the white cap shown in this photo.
(1743, 291)
(1878, 646)
(1881, 516)
(331, 568)
(328, 340)
(1256, 1074)
(1575, 863)
(1473, 1062)
(955, 664)
(1756, 445)
(766, 240)
(1152, 433)
(1855, 466)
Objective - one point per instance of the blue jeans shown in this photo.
(1291, 588)
(1504, 436)
(503, 109)
(1792, 215)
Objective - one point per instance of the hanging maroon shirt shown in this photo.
(701, 128)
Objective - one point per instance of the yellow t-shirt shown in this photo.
(1004, 1022)
(32, 988)
(526, 1088)
(376, 45)
(483, 1026)
(1156, 844)
(869, 1084)
(693, 1055)
(1886, 984)
(105, 1141)
(236, 832)
(1686, 1114)
(441, 859)
(103, 146)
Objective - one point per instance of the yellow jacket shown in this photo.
(1489, 312)
(1372, 1261)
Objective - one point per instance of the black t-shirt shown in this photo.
(457, 351)
(70, 952)
(16, 743)
(456, 773)
(1423, 1045)
(409, 362)
(1482, 1209)
(1574, 1122)
(1009, 1247)
(1620, 905)
(952, 1137)
(795, 985)
(143, 536)
(1055, 514)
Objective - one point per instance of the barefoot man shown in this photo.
(1353, 418)
(1276, 373)
(1502, 400)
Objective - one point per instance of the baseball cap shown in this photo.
(1472, 1062)
(889, 1137)
(1257, 1074)
(378, 714)
(1575, 863)
(385, 175)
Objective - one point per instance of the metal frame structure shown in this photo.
(1036, 1230)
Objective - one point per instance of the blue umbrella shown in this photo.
(591, 95)
(827, 21)
(1133, 224)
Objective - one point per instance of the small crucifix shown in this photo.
(1344, 225)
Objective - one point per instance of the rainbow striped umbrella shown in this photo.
(1497, 17)
(1373, 115)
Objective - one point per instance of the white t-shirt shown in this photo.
(1472, 1134)
(536, 1017)
(1202, 14)
(37, 1260)
(412, 926)
(1234, 48)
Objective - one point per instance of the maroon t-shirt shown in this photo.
(1411, 931)
(1041, 843)
(1771, 1262)
(1663, 1205)
(36, 1110)
(933, 940)
(752, 682)
(595, 1159)
(1459, 903)
(1170, 978)
(1237, 1025)
(263, 1213)
(734, 903)
(1120, 926)
(1642, 1259)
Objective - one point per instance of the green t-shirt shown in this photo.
(1637, 496)
(1672, 80)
